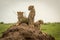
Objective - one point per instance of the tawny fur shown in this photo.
(31, 14)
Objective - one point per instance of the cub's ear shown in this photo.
(22, 12)
(31, 6)
(17, 12)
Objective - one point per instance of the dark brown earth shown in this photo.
(25, 32)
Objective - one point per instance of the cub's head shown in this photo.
(30, 7)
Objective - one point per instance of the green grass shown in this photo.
(53, 29)
(4, 27)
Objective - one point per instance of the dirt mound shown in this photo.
(25, 32)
